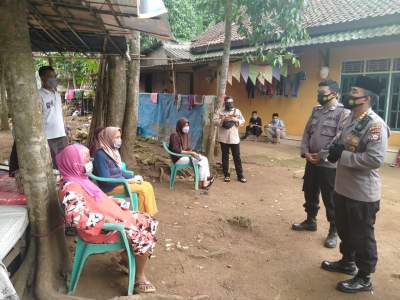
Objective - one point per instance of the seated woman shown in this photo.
(107, 163)
(179, 143)
(87, 208)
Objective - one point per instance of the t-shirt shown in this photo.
(52, 113)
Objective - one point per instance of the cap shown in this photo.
(369, 84)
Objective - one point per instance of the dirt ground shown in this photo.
(200, 253)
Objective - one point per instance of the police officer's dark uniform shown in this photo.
(360, 151)
(321, 129)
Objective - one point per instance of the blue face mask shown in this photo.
(52, 82)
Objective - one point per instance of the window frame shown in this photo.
(391, 73)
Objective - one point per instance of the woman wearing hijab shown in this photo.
(87, 208)
(107, 163)
(179, 143)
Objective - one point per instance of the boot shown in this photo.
(308, 225)
(331, 239)
(340, 266)
(359, 283)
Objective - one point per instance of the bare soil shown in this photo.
(200, 253)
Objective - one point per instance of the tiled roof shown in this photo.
(178, 51)
(317, 13)
(345, 36)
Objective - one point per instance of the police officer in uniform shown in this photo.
(319, 177)
(360, 151)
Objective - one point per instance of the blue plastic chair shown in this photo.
(175, 167)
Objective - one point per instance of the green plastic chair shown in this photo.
(83, 249)
(127, 190)
(174, 168)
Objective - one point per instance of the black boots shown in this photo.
(309, 225)
(331, 239)
(340, 266)
(359, 283)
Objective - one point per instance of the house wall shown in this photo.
(295, 111)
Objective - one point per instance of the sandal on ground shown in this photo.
(120, 266)
(144, 287)
(242, 180)
(227, 179)
(211, 181)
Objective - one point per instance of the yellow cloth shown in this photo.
(147, 199)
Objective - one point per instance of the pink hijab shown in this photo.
(105, 142)
(71, 166)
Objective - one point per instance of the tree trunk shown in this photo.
(98, 117)
(117, 91)
(132, 100)
(3, 101)
(222, 78)
(32, 148)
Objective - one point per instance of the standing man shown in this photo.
(360, 152)
(323, 126)
(228, 121)
(275, 129)
(255, 126)
(53, 118)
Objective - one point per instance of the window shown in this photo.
(387, 71)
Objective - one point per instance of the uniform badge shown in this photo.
(374, 132)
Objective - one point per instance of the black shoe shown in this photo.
(340, 266)
(355, 285)
(308, 225)
(331, 239)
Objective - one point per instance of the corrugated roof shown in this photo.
(317, 14)
(87, 25)
(360, 34)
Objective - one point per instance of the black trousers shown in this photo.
(255, 130)
(319, 180)
(355, 224)
(235, 149)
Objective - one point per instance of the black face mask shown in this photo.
(228, 105)
(323, 99)
(349, 101)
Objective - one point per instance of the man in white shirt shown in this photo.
(51, 104)
(228, 121)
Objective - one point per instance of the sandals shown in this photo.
(144, 287)
(211, 181)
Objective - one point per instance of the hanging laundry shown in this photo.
(284, 70)
(292, 82)
(260, 79)
(153, 98)
(190, 102)
(178, 101)
(69, 95)
(209, 101)
(253, 73)
(198, 100)
(244, 70)
(276, 73)
(236, 70)
(250, 89)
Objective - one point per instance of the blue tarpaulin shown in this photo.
(159, 119)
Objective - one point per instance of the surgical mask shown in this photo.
(88, 168)
(349, 101)
(185, 129)
(117, 143)
(254, 117)
(228, 105)
(52, 82)
(323, 99)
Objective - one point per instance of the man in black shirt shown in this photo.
(255, 125)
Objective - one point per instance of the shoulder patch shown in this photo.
(375, 131)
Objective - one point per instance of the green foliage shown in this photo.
(271, 21)
(70, 65)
